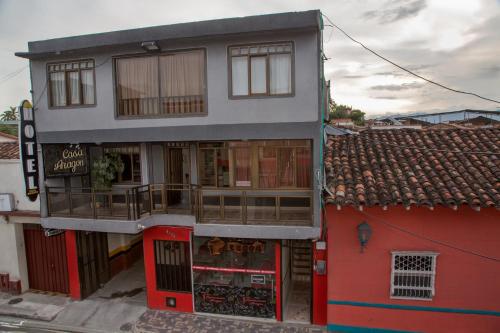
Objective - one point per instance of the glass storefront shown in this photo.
(234, 276)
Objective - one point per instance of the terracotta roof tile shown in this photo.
(9, 150)
(414, 167)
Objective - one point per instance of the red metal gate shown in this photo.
(46, 260)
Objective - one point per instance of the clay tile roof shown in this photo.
(414, 167)
(9, 150)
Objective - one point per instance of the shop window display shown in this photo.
(234, 276)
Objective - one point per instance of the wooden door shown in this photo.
(93, 261)
(175, 177)
(46, 260)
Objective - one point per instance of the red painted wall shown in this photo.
(319, 290)
(463, 281)
(157, 298)
(72, 260)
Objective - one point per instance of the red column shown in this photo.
(72, 261)
(320, 282)
(277, 252)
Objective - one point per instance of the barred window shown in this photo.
(173, 265)
(413, 275)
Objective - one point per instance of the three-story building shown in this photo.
(205, 139)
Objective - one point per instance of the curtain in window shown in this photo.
(74, 87)
(286, 167)
(258, 75)
(268, 167)
(280, 73)
(182, 82)
(242, 166)
(58, 89)
(137, 80)
(303, 167)
(87, 86)
(239, 72)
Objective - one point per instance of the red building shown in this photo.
(413, 231)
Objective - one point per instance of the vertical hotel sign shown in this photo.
(29, 154)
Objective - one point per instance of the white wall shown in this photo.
(12, 181)
(120, 241)
(13, 258)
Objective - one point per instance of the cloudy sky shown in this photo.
(456, 43)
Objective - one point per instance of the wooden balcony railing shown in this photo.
(162, 106)
(209, 206)
(255, 207)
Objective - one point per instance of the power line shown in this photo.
(13, 74)
(407, 70)
(47, 81)
(411, 233)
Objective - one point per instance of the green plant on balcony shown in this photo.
(105, 170)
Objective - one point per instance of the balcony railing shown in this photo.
(209, 206)
(124, 204)
(255, 207)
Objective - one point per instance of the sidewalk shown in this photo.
(125, 315)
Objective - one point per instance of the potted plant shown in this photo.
(104, 171)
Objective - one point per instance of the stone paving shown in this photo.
(172, 322)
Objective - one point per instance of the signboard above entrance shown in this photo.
(65, 160)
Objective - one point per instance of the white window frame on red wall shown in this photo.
(414, 286)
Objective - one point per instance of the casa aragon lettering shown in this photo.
(28, 145)
(65, 160)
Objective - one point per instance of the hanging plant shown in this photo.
(104, 171)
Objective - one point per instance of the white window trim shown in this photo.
(432, 274)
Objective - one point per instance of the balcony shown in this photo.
(208, 206)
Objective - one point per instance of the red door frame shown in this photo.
(277, 253)
(72, 259)
(157, 298)
(319, 286)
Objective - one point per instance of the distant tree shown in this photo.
(10, 114)
(9, 129)
(338, 111)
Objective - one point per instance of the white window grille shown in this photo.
(413, 275)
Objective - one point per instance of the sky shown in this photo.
(453, 42)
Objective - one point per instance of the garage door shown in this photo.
(46, 260)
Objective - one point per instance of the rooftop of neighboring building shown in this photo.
(9, 147)
(449, 167)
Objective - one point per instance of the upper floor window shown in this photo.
(261, 70)
(161, 85)
(71, 83)
(413, 275)
(256, 164)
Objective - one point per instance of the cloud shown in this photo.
(397, 10)
(398, 87)
(384, 97)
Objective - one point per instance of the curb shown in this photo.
(35, 324)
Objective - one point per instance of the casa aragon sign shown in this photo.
(28, 147)
(65, 160)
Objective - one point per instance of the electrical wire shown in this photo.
(47, 81)
(411, 233)
(12, 74)
(407, 70)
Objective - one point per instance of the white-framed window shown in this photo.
(261, 70)
(413, 274)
